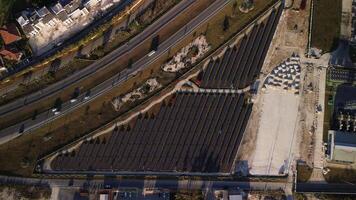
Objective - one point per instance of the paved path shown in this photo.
(196, 89)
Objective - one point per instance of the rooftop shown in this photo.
(345, 138)
(47, 18)
(57, 8)
(10, 34)
(43, 11)
(342, 146)
(63, 16)
(9, 55)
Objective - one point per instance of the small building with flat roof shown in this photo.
(342, 146)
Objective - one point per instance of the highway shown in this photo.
(45, 117)
(99, 65)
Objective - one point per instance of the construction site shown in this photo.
(291, 93)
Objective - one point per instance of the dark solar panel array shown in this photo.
(342, 75)
(242, 63)
(196, 133)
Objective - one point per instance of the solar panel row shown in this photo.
(197, 133)
(342, 75)
(241, 64)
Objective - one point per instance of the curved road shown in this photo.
(45, 117)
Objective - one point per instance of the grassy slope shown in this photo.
(4, 9)
(326, 24)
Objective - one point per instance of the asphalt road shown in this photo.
(172, 184)
(101, 64)
(312, 187)
(45, 117)
(330, 188)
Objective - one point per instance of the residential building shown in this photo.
(57, 8)
(23, 20)
(30, 30)
(10, 34)
(106, 4)
(48, 26)
(91, 3)
(10, 55)
(70, 6)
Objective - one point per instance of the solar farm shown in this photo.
(191, 131)
(242, 63)
(194, 132)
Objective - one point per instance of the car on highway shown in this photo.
(87, 95)
(75, 95)
(57, 106)
(151, 53)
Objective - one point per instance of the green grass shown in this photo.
(326, 24)
(5, 6)
(237, 20)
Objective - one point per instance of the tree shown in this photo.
(234, 6)
(246, 6)
(34, 116)
(155, 43)
(226, 23)
(58, 103)
(87, 108)
(129, 64)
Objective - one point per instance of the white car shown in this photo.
(151, 53)
(57, 112)
(73, 100)
(54, 109)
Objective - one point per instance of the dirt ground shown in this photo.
(291, 37)
(24, 193)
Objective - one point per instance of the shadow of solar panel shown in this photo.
(197, 133)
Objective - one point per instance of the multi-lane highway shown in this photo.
(101, 64)
(45, 117)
